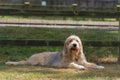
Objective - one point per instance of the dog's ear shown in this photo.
(64, 49)
(81, 49)
(81, 54)
(81, 45)
(65, 46)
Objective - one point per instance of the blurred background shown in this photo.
(32, 26)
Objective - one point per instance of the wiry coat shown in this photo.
(71, 56)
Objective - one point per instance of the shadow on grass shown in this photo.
(111, 72)
(29, 69)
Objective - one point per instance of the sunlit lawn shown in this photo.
(16, 53)
(22, 33)
(73, 18)
(111, 72)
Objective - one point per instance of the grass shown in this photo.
(16, 53)
(73, 18)
(50, 34)
(111, 72)
(94, 54)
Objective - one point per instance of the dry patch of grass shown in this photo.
(111, 72)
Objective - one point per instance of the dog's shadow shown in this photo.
(29, 69)
(110, 71)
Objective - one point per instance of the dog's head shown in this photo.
(73, 46)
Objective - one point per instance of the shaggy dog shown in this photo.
(72, 56)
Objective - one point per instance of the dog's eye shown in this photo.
(77, 40)
(70, 41)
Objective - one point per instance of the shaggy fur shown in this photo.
(72, 56)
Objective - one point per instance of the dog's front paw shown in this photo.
(100, 67)
(81, 67)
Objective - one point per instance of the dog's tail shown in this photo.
(17, 63)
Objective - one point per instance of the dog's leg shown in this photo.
(87, 64)
(84, 62)
(92, 65)
(17, 63)
(76, 66)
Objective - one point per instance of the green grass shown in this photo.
(74, 18)
(56, 34)
(16, 53)
(111, 72)
(94, 54)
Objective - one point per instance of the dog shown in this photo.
(71, 56)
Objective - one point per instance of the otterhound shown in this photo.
(72, 56)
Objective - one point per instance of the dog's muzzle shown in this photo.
(74, 47)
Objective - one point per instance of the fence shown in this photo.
(95, 3)
(57, 43)
(67, 10)
(72, 10)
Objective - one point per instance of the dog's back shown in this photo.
(45, 59)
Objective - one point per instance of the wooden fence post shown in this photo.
(119, 44)
(118, 11)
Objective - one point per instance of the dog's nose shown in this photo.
(74, 45)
